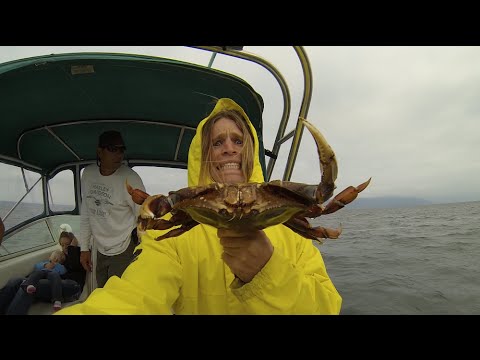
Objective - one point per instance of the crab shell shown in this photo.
(239, 206)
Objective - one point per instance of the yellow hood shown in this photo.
(195, 151)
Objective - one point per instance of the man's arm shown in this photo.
(85, 229)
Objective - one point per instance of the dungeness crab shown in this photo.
(250, 205)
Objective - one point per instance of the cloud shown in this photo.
(406, 116)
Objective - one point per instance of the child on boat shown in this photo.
(51, 270)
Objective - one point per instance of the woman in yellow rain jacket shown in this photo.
(210, 271)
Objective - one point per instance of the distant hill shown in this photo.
(387, 202)
(384, 202)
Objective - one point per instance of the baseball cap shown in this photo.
(111, 138)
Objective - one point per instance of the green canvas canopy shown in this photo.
(52, 108)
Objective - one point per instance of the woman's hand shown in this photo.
(245, 252)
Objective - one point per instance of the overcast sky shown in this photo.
(406, 116)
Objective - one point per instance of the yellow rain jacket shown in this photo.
(186, 274)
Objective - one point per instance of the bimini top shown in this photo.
(52, 108)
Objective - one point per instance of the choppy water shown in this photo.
(420, 260)
(36, 235)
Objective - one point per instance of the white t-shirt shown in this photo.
(108, 212)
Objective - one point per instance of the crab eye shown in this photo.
(223, 212)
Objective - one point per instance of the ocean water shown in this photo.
(37, 234)
(422, 260)
(24, 211)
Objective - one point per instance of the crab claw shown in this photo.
(138, 196)
(345, 197)
(302, 226)
(328, 164)
(154, 207)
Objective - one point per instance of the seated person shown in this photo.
(51, 270)
(16, 301)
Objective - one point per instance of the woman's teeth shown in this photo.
(229, 166)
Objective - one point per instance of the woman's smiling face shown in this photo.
(227, 145)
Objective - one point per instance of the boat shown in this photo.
(53, 107)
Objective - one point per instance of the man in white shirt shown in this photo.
(108, 213)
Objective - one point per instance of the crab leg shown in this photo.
(178, 231)
(152, 207)
(345, 197)
(328, 164)
(302, 227)
(163, 224)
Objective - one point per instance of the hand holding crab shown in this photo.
(245, 252)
